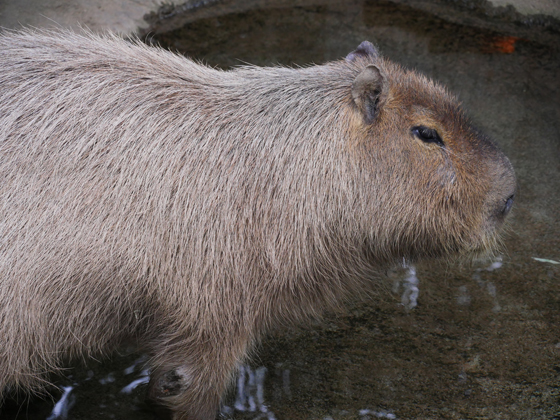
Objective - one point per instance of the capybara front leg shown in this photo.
(193, 389)
(190, 395)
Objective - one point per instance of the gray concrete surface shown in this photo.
(124, 16)
(532, 7)
(127, 16)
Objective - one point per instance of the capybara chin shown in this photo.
(144, 196)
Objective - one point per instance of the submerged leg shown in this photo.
(192, 382)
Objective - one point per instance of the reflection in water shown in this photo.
(250, 393)
(409, 297)
(63, 406)
(489, 286)
(138, 362)
(409, 283)
(365, 414)
(132, 386)
(110, 378)
(144, 375)
(545, 260)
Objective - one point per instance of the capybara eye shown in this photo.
(508, 205)
(427, 135)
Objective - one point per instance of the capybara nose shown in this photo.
(508, 205)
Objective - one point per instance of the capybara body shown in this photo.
(147, 197)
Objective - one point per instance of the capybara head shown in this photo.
(437, 186)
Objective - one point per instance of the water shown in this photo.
(482, 341)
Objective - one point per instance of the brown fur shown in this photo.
(146, 196)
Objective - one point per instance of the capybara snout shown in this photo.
(146, 196)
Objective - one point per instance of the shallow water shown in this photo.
(483, 341)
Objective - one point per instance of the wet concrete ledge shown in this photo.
(537, 20)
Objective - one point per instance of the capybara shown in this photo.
(144, 196)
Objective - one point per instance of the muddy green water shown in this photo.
(484, 340)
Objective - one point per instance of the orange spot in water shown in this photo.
(502, 44)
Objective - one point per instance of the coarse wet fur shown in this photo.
(191, 209)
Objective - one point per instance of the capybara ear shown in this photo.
(366, 92)
(365, 49)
